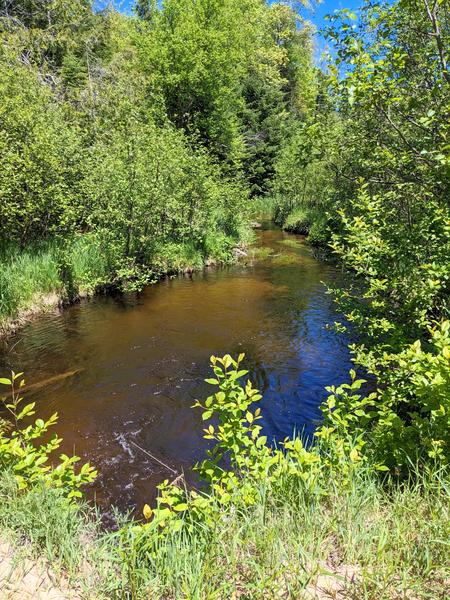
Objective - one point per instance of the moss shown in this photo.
(291, 243)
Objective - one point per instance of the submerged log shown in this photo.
(45, 382)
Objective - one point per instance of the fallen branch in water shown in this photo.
(154, 458)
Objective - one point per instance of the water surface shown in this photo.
(140, 362)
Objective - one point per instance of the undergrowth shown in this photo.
(271, 522)
(83, 265)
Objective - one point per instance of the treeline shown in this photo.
(369, 174)
(135, 144)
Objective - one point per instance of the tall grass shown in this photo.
(26, 275)
(370, 540)
(84, 264)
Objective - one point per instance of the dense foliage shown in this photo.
(148, 133)
(371, 177)
(26, 451)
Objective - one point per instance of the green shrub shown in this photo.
(218, 247)
(298, 221)
(238, 464)
(405, 421)
(267, 513)
(26, 458)
(319, 233)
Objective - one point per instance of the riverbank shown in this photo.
(49, 277)
(364, 539)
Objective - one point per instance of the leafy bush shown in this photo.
(405, 421)
(301, 499)
(298, 221)
(237, 465)
(25, 458)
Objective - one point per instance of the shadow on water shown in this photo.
(137, 362)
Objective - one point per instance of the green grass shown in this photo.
(24, 276)
(392, 537)
(41, 525)
(310, 221)
(177, 257)
(261, 208)
(27, 277)
(42, 517)
(90, 265)
(298, 221)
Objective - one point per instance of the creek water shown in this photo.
(124, 371)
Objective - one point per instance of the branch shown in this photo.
(432, 15)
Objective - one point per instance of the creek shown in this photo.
(123, 371)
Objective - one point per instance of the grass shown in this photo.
(298, 221)
(370, 540)
(29, 277)
(391, 539)
(310, 221)
(43, 518)
(43, 528)
(261, 208)
(25, 275)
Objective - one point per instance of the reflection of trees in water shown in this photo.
(288, 307)
(254, 364)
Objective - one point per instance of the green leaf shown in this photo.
(354, 455)
(28, 410)
(226, 361)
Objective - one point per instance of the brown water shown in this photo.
(140, 362)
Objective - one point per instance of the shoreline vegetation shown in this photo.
(292, 521)
(153, 139)
(38, 286)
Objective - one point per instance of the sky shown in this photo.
(315, 14)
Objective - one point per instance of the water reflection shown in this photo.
(140, 362)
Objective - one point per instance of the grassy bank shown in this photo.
(289, 522)
(369, 539)
(51, 274)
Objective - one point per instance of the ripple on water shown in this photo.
(140, 361)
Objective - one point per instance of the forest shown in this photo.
(133, 146)
(144, 145)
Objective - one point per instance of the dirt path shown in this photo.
(26, 579)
